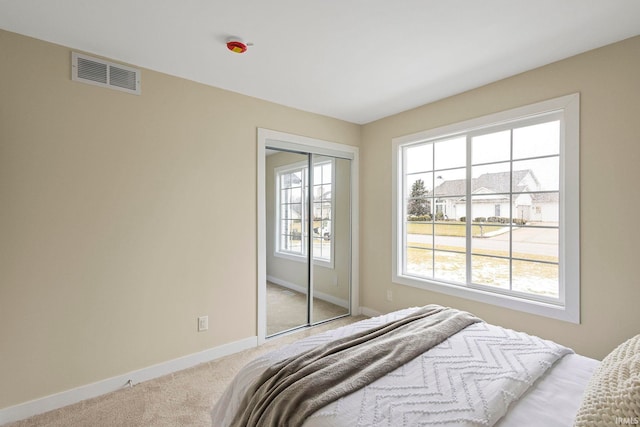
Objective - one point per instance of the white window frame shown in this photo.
(567, 307)
(329, 263)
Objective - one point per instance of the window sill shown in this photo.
(560, 312)
(303, 259)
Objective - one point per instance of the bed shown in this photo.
(480, 375)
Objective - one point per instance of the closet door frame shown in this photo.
(285, 141)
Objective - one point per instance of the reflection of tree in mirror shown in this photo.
(418, 204)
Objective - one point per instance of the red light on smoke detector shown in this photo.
(236, 46)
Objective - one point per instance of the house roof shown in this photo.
(498, 182)
(551, 197)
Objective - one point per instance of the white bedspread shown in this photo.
(469, 379)
(554, 399)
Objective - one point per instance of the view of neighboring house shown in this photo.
(492, 196)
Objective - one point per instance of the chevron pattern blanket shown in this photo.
(289, 391)
(469, 379)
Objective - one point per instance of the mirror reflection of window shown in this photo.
(293, 190)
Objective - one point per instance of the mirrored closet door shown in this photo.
(308, 238)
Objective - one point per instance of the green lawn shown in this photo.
(416, 249)
(450, 228)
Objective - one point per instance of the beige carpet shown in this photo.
(287, 309)
(184, 398)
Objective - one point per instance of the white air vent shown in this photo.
(103, 73)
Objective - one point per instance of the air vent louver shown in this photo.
(122, 78)
(91, 70)
(103, 73)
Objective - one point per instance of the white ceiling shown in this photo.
(357, 60)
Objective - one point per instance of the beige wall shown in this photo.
(608, 82)
(123, 218)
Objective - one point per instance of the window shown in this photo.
(488, 209)
(292, 200)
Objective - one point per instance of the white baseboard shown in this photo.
(301, 289)
(69, 397)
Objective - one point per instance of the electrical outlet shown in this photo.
(389, 295)
(203, 323)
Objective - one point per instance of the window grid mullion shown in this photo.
(432, 207)
(511, 209)
(468, 211)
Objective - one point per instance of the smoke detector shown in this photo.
(236, 45)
